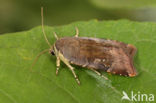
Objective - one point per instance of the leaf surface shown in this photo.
(18, 51)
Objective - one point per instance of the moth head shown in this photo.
(51, 51)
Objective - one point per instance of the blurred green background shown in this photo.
(19, 15)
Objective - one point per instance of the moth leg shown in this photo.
(77, 32)
(98, 73)
(57, 64)
(61, 57)
(72, 69)
(69, 66)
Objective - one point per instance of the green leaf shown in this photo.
(18, 51)
(123, 3)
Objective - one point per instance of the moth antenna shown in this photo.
(37, 57)
(56, 36)
(43, 27)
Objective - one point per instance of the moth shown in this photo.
(93, 53)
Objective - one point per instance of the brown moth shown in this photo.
(93, 53)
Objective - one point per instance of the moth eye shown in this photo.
(52, 53)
